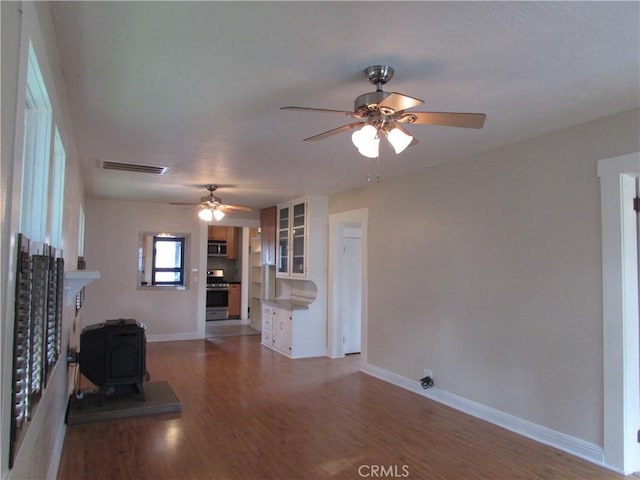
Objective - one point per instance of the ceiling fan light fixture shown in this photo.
(364, 135)
(399, 140)
(366, 141)
(218, 214)
(372, 150)
(205, 214)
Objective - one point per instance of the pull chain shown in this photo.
(376, 172)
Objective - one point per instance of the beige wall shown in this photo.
(111, 247)
(488, 272)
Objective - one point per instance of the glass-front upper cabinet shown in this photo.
(298, 239)
(283, 240)
(292, 239)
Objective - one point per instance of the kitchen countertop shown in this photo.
(286, 303)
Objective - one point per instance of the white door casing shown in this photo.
(338, 223)
(621, 363)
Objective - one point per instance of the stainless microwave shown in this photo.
(217, 249)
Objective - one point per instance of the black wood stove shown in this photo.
(113, 356)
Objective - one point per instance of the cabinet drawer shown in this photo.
(267, 323)
(267, 340)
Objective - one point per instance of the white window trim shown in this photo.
(56, 207)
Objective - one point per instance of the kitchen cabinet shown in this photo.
(292, 239)
(217, 233)
(268, 222)
(299, 316)
(268, 319)
(228, 235)
(301, 237)
(234, 300)
(282, 331)
(293, 329)
(232, 243)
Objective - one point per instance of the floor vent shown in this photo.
(133, 167)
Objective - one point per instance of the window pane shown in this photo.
(168, 254)
(35, 156)
(167, 277)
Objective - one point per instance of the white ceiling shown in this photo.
(198, 86)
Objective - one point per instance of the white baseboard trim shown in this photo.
(174, 337)
(575, 446)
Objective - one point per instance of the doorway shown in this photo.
(621, 329)
(349, 293)
(347, 330)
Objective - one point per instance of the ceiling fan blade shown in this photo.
(236, 207)
(178, 203)
(447, 119)
(328, 133)
(309, 109)
(398, 102)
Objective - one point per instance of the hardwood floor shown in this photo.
(250, 413)
(212, 329)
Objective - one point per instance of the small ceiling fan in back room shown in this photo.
(212, 207)
(384, 114)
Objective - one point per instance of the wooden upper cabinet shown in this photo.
(225, 234)
(232, 243)
(268, 218)
(217, 233)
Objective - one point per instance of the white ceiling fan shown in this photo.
(383, 114)
(212, 207)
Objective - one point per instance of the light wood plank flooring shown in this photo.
(250, 413)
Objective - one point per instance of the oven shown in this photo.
(217, 307)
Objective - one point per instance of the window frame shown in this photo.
(179, 269)
(58, 176)
(36, 155)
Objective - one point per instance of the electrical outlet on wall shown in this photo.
(427, 380)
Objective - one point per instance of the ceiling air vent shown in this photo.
(133, 167)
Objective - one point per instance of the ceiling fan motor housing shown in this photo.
(211, 199)
(368, 102)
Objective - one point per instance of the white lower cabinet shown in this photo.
(268, 314)
(282, 326)
(293, 330)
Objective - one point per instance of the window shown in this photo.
(36, 153)
(39, 268)
(168, 260)
(57, 191)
